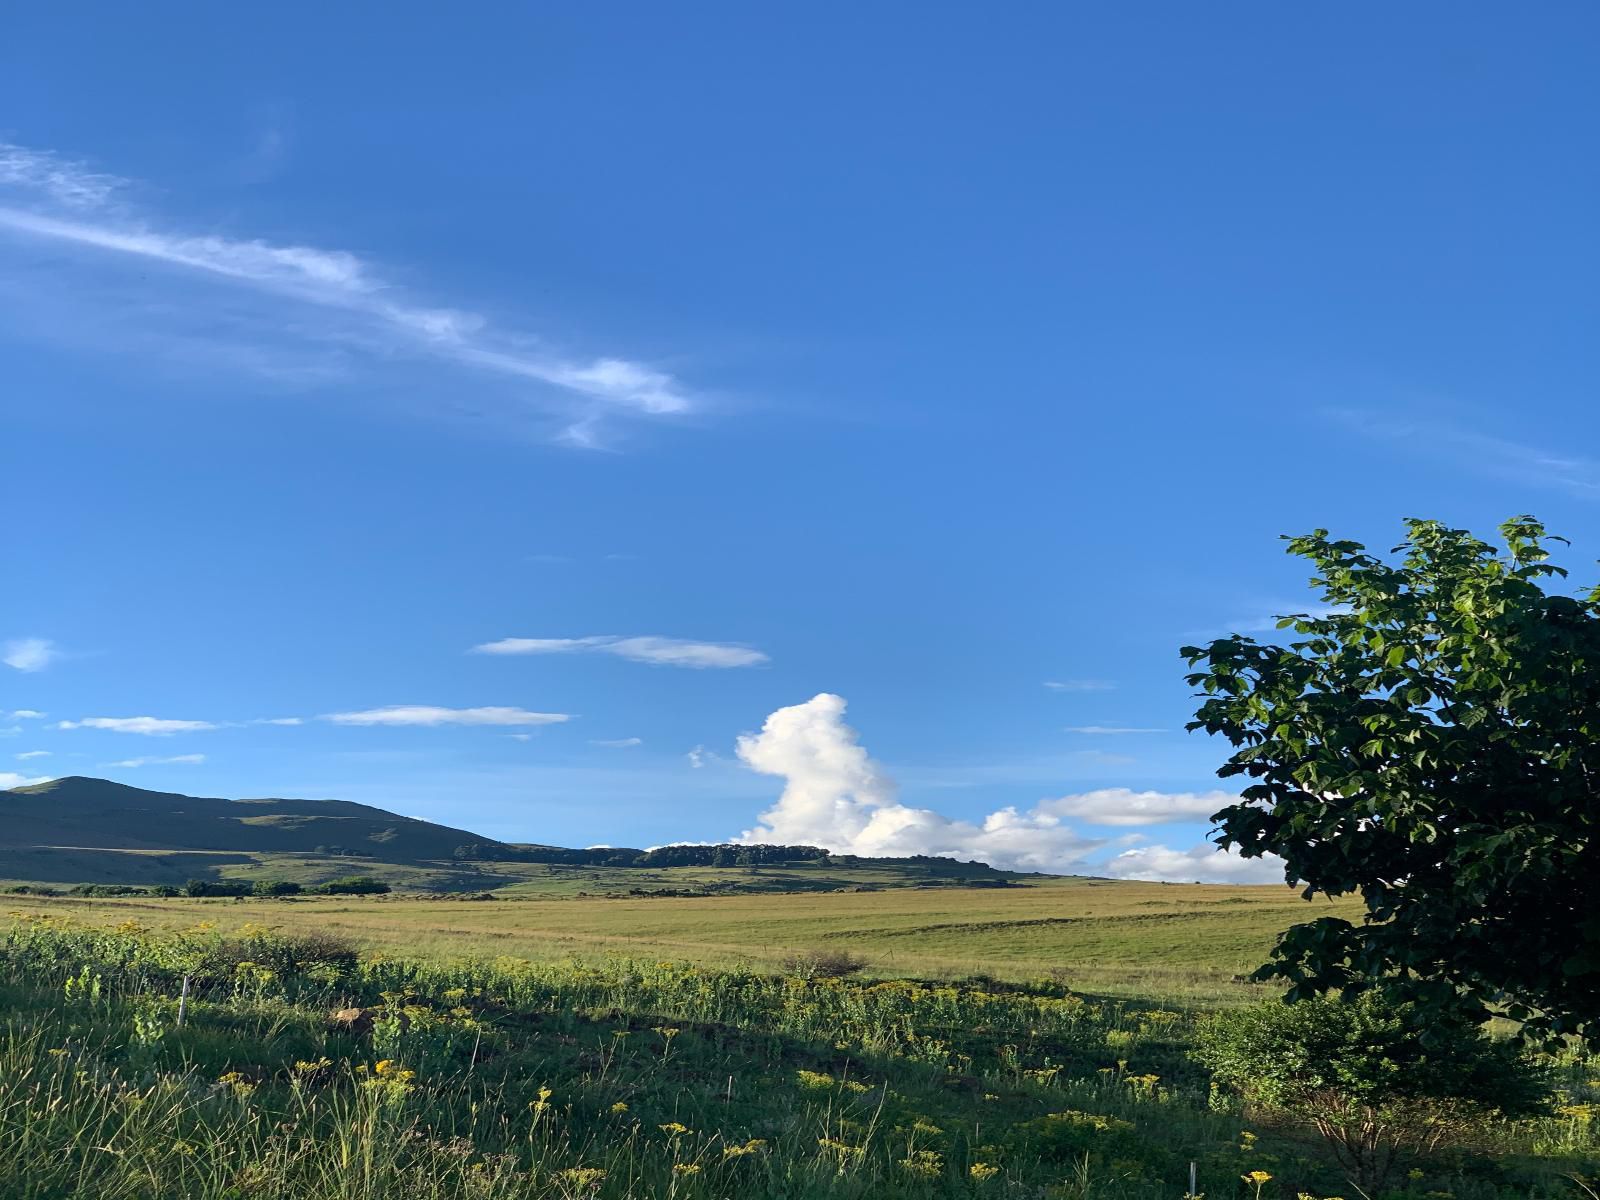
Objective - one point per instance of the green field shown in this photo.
(1160, 941)
(638, 1049)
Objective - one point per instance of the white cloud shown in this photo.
(34, 754)
(154, 726)
(424, 714)
(56, 200)
(29, 654)
(26, 714)
(1204, 863)
(660, 651)
(174, 760)
(617, 743)
(698, 757)
(1122, 806)
(69, 184)
(277, 721)
(1079, 685)
(10, 779)
(836, 796)
(1112, 730)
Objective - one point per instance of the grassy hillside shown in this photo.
(80, 830)
(97, 814)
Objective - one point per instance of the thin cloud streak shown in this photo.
(329, 279)
(658, 651)
(173, 760)
(1112, 730)
(149, 726)
(1484, 453)
(428, 715)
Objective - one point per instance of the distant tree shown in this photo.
(216, 887)
(271, 888)
(1360, 1072)
(1430, 741)
(354, 885)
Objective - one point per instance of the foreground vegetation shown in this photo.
(300, 1068)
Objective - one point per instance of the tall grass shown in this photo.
(507, 1078)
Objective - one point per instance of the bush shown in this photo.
(216, 887)
(106, 889)
(1375, 1080)
(270, 888)
(354, 885)
(823, 964)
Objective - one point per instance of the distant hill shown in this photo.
(101, 815)
(80, 830)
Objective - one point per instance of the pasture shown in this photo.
(1148, 940)
(1019, 1043)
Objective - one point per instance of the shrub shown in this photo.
(1371, 1077)
(354, 885)
(275, 887)
(824, 964)
(216, 887)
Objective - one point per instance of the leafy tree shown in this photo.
(353, 885)
(272, 888)
(1430, 740)
(1361, 1073)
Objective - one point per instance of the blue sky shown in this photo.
(707, 361)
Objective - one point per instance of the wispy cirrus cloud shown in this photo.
(171, 760)
(1079, 685)
(26, 754)
(659, 651)
(1113, 730)
(1481, 453)
(427, 714)
(617, 743)
(149, 726)
(29, 653)
(48, 198)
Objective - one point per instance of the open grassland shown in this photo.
(1156, 941)
(301, 1070)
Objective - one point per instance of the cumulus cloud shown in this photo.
(153, 726)
(1079, 685)
(10, 779)
(173, 760)
(836, 796)
(29, 654)
(659, 651)
(1122, 806)
(26, 714)
(327, 297)
(425, 714)
(1204, 863)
